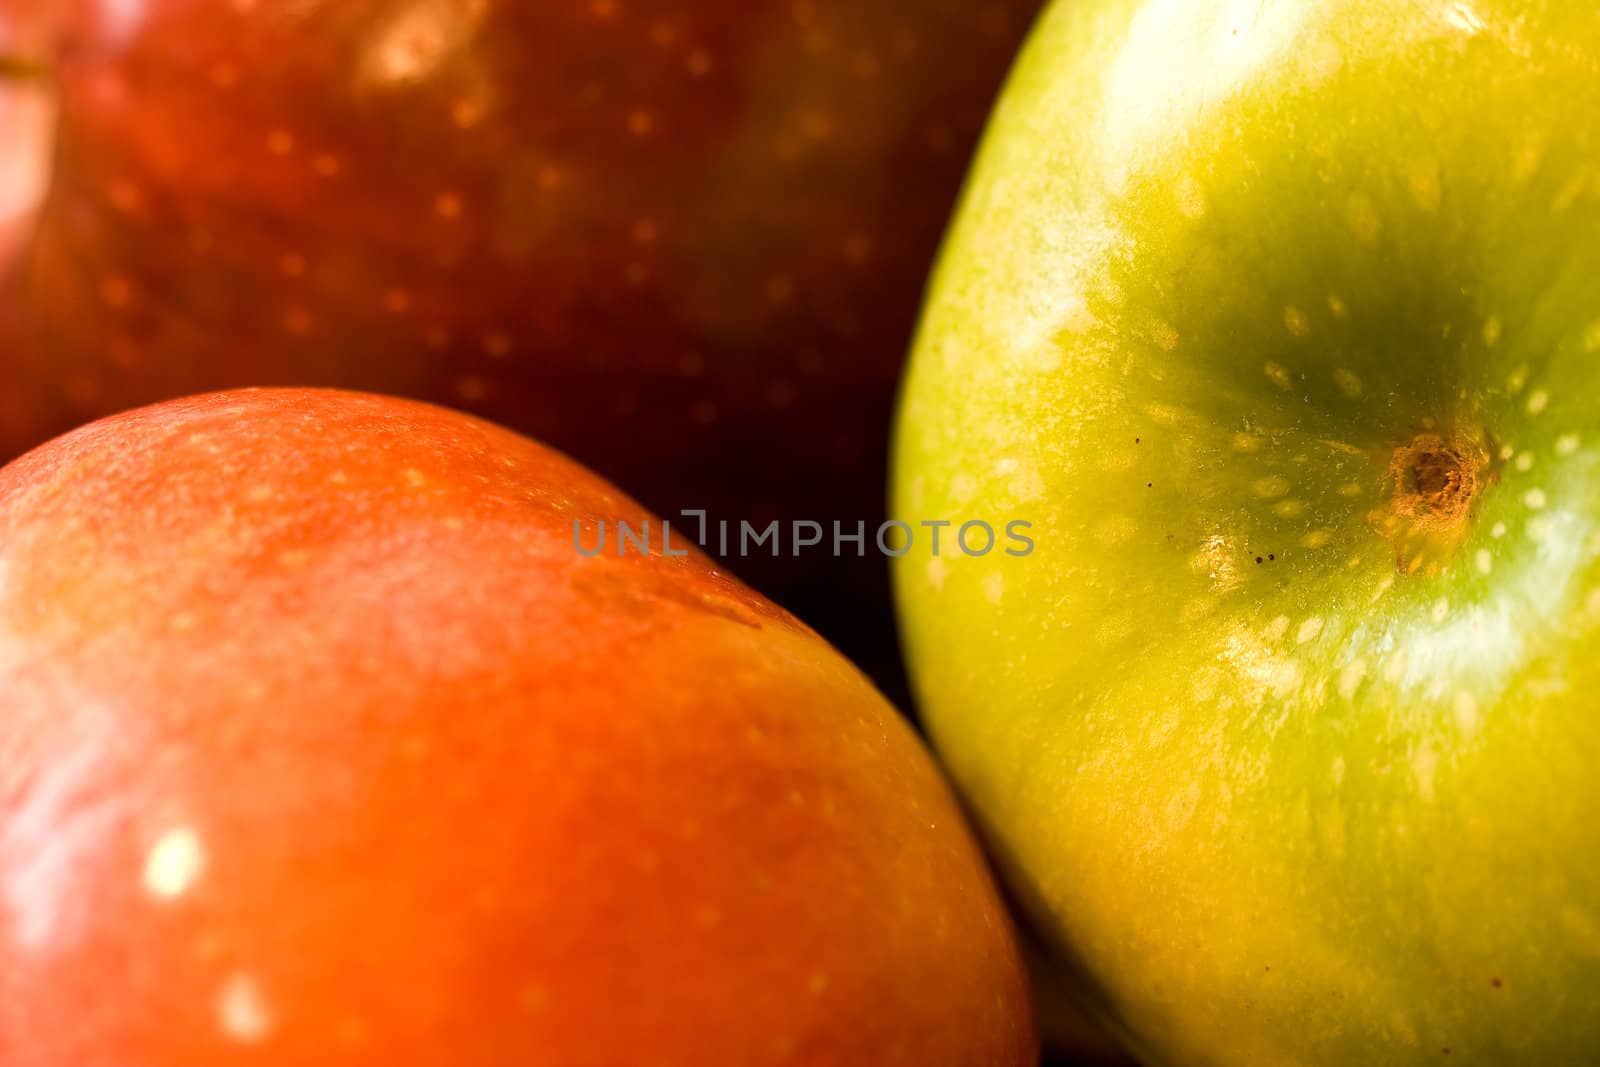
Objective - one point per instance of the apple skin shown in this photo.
(1279, 325)
(27, 119)
(27, 126)
(320, 744)
(681, 240)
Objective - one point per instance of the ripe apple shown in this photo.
(681, 240)
(1278, 322)
(320, 744)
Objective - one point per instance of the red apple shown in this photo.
(682, 240)
(320, 744)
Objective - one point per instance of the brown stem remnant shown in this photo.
(1435, 483)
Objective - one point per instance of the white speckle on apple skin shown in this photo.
(173, 864)
(243, 1014)
(1165, 336)
(963, 487)
(1423, 767)
(1424, 181)
(1347, 382)
(1363, 219)
(1191, 198)
(1115, 529)
(1271, 487)
(1350, 679)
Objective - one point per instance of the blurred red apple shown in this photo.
(682, 240)
(320, 744)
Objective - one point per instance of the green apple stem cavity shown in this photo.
(1436, 482)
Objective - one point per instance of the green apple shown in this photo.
(1281, 325)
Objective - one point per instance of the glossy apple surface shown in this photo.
(681, 240)
(1278, 321)
(27, 125)
(320, 744)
